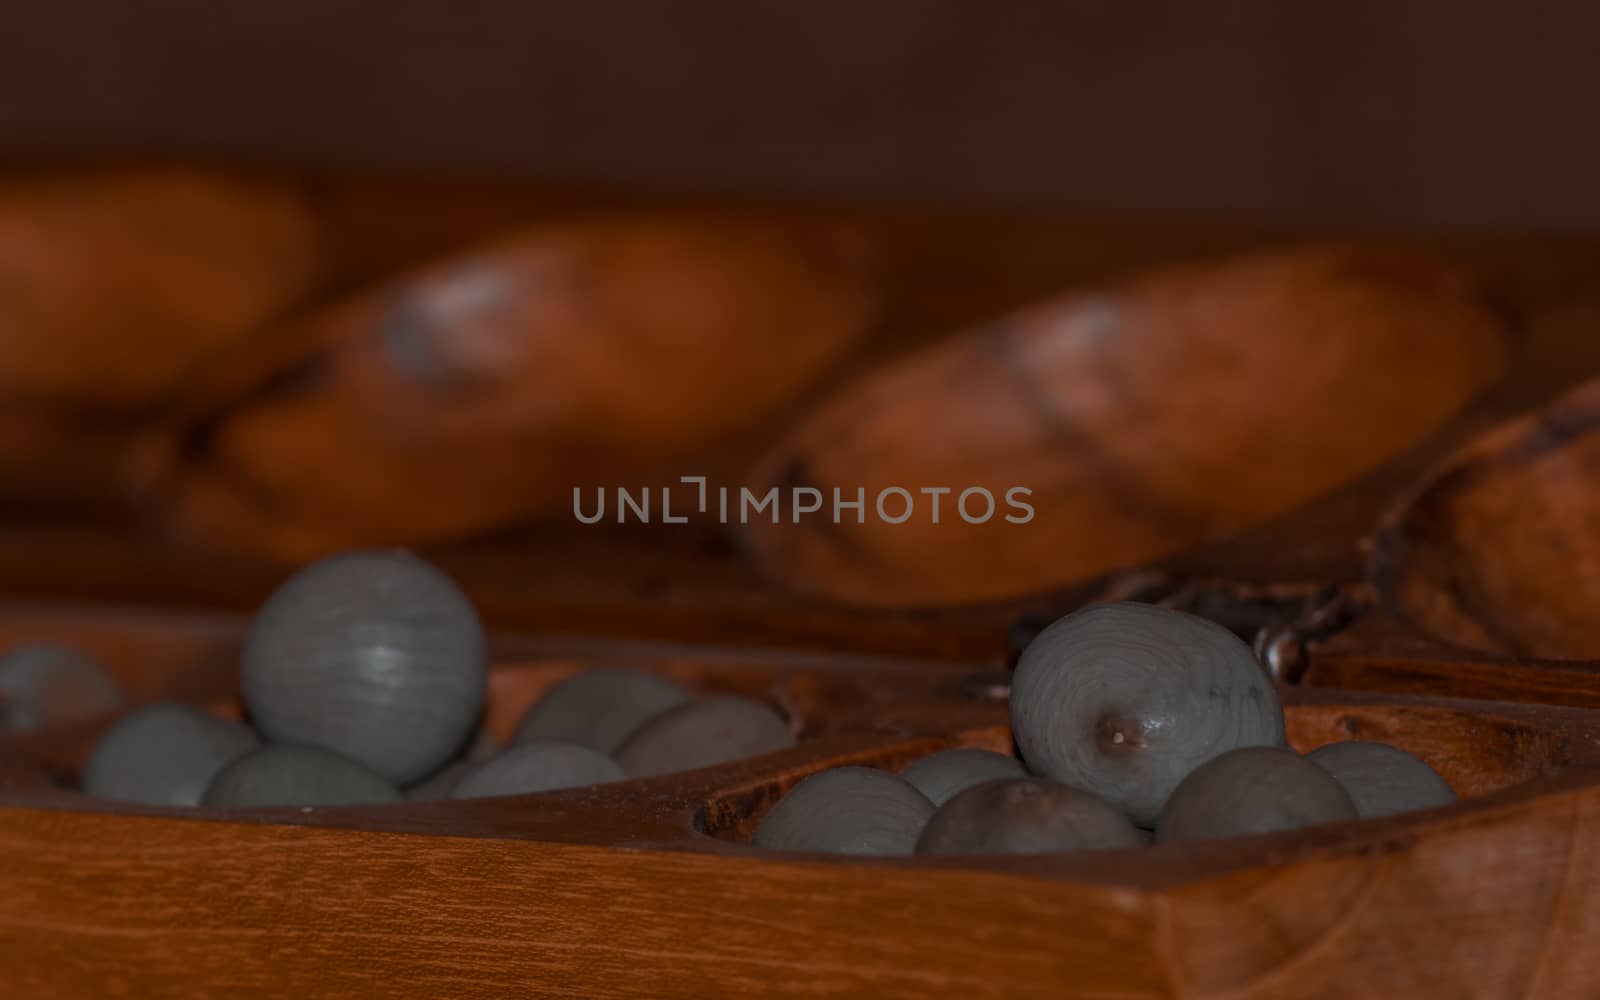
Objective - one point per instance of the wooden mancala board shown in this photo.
(1431, 594)
(650, 888)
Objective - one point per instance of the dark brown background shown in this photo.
(1373, 111)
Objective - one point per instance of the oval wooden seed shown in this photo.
(943, 775)
(1253, 790)
(713, 730)
(847, 810)
(1025, 816)
(537, 767)
(285, 775)
(1383, 780)
(1125, 700)
(598, 708)
(164, 755)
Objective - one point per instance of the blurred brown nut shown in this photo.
(115, 288)
(1179, 409)
(114, 285)
(481, 391)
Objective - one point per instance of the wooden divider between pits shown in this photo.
(649, 889)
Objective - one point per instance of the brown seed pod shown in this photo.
(116, 288)
(285, 775)
(589, 354)
(1253, 790)
(598, 708)
(942, 775)
(1124, 700)
(537, 767)
(846, 810)
(1181, 408)
(375, 655)
(45, 684)
(1025, 816)
(1381, 779)
(712, 730)
(118, 283)
(164, 755)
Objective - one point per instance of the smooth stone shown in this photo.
(285, 775)
(1026, 816)
(943, 775)
(713, 730)
(1253, 790)
(1124, 700)
(537, 767)
(164, 755)
(1382, 779)
(598, 708)
(847, 810)
(48, 684)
